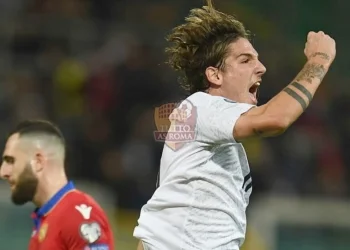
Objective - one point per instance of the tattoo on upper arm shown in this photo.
(297, 97)
(322, 55)
(311, 71)
(303, 90)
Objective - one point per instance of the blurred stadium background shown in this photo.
(96, 68)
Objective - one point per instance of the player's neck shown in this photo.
(48, 188)
(219, 92)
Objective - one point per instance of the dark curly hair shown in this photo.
(200, 42)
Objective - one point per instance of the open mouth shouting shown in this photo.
(253, 92)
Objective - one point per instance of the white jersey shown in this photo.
(204, 184)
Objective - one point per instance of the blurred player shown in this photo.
(205, 184)
(65, 218)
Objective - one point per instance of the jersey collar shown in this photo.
(229, 100)
(42, 211)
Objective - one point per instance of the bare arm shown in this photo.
(280, 112)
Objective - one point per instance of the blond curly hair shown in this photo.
(200, 42)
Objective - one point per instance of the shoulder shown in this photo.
(83, 220)
(79, 206)
(206, 101)
(208, 106)
(199, 99)
(77, 195)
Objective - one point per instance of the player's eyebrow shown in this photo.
(251, 55)
(8, 159)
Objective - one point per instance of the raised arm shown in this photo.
(281, 111)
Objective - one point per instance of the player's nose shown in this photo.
(5, 171)
(260, 69)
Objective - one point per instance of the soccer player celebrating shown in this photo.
(65, 218)
(205, 184)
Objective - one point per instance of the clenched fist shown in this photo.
(320, 47)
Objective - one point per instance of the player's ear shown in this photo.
(213, 76)
(38, 162)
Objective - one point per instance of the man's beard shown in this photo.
(26, 186)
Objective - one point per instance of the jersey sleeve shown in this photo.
(215, 123)
(86, 227)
